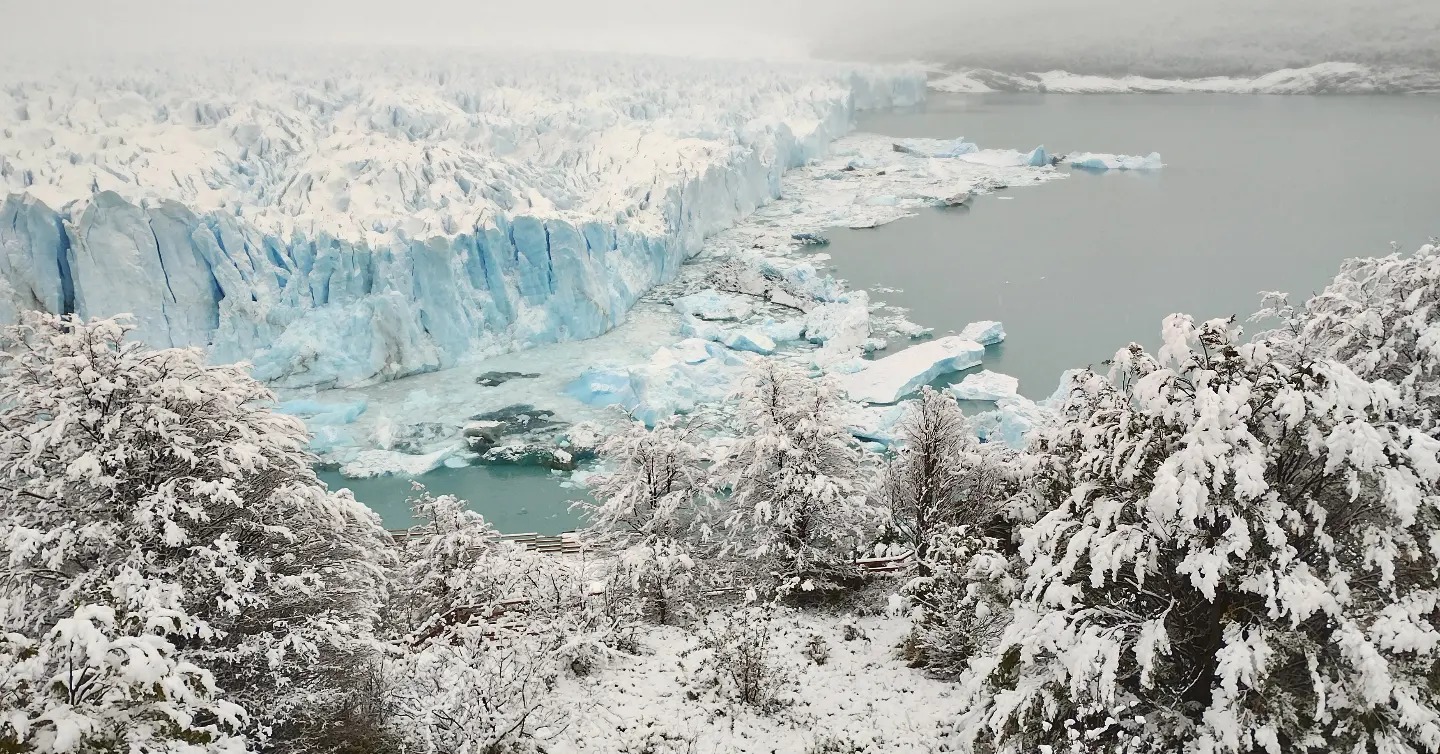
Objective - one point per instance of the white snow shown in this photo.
(1100, 161)
(1323, 78)
(986, 385)
(344, 220)
(889, 379)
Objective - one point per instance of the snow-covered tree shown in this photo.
(453, 563)
(793, 478)
(941, 477)
(176, 578)
(1381, 317)
(1246, 560)
(648, 506)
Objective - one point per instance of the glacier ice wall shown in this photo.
(340, 222)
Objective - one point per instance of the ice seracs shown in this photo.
(889, 379)
(340, 221)
(985, 385)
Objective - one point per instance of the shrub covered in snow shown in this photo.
(1244, 559)
(176, 578)
(743, 660)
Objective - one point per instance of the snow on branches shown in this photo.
(169, 553)
(1245, 559)
(792, 478)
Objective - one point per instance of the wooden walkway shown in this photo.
(567, 543)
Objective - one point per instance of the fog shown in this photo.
(1101, 36)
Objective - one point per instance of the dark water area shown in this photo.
(513, 499)
(1258, 193)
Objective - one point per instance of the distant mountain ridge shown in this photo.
(1324, 78)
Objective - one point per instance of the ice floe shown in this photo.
(893, 377)
(1098, 161)
(986, 385)
(986, 332)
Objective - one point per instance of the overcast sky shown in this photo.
(1007, 33)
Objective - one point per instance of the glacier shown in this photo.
(1322, 78)
(341, 221)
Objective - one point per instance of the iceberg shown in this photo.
(943, 148)
(840, 326)
(1008, 158)
(711, 305)
(672, 382)
(749, 340)
(986, 332)
(340, 222)
(1097, 161)
(1012, 421)
(784, 331)
(986, 385)
(889, 379)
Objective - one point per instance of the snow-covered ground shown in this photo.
(1324, 78)
(340, 220)
(863, 695)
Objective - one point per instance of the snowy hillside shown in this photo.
(1325, 78)
(343, 221)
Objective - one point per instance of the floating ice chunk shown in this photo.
(318, 413)
(663, 386)
(986, 332)
(1009, 158)
(785, 330)
(840, 326)
(985, 385)
(692, 327)
(875, 423)
(1069, 380)
(711, 304)
(749, 340)
(693, 350)
(371, 463)
(889, 379)
(1012, 421)
(935, 147)
(1097, 161)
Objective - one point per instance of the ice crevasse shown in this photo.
(341, 222)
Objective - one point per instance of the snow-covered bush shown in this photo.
(1381, 317)
(742, 660)
(453, 566)
(175, 574)
(961, 603)
(792, 477)
(816, 649)
(1245, 560)
(655, 738)
(482, 688)
(649, 508)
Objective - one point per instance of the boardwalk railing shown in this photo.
(568, 543)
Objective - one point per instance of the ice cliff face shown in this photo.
(339, 222)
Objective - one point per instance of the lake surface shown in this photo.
(1258, 193)
(513, 499)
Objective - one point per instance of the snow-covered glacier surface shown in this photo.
(1324, 78)
(344, 221)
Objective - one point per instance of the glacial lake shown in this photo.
(1258, 193)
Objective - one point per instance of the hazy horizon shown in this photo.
(1102, 36)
